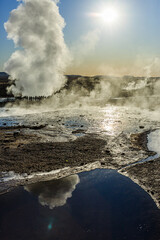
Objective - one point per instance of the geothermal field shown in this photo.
(79, 154)
(82, 155)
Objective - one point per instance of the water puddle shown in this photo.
(154, 141)
(153, 145)
(100, 204)
(78, 126)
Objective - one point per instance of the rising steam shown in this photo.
(38, 65)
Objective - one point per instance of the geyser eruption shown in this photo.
(38, 65)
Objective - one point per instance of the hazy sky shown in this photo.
(130, 45)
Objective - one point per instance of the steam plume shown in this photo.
(85, 45)
(38, 65)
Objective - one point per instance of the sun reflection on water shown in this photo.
(111, 122)
(108, 127)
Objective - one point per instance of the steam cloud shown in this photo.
(38, 65)
(85, 45)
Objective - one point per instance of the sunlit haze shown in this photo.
(109, 15)
(104, 37)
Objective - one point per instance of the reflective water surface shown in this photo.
(100, 204)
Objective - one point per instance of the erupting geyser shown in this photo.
(38, 66)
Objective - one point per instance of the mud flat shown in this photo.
(28, 153)
(24, 151)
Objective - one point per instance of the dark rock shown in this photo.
(78, 131)
(15, 134)
(108, 152)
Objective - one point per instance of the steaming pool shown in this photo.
(99, 204)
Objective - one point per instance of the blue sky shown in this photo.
(135, 36)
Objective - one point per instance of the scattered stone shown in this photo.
(27, 154)
(78, 131)
(38, 127)
(15, 134)
(107, 152)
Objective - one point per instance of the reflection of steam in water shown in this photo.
(54, 193)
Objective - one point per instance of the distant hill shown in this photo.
(4, 76)
(111, 86)
(4, 83)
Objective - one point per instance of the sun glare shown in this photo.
(109, 15)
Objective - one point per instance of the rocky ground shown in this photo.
(146, 174)
(108, 139)
(24, 152)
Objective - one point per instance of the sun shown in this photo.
(109, 15)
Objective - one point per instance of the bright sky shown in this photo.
(128, 44)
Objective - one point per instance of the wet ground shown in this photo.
(38, 146)
(46, 141)
(100, 204)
